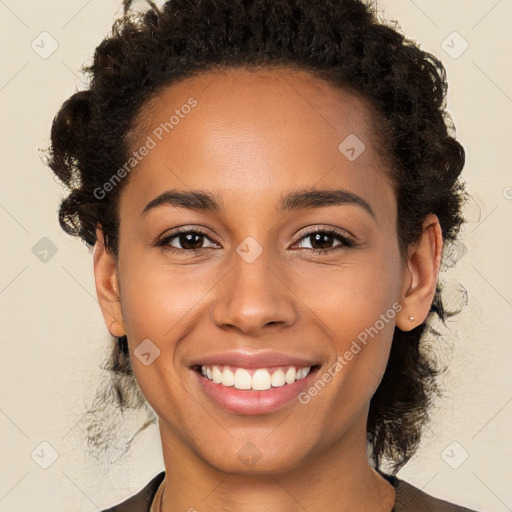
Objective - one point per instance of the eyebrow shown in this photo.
(296, 200)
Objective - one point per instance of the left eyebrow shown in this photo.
(318, 198)
(310, 198)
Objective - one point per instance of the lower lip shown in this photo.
(252, 402)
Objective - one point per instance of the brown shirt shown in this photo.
(408, 498)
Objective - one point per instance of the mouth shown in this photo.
(252, 391)
(255, 379)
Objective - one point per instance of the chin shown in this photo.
(257, 458)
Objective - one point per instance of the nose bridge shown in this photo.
(253, 293)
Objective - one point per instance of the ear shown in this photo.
(107, 286)
(420, 275)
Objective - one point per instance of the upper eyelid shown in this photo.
(179, 231)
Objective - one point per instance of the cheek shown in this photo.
(354, 295)
(160, 304)
(157, 297)
(359, 306)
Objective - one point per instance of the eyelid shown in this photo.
(324, 228)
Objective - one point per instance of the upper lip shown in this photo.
(247, 359)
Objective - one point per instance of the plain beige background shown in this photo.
(52, 335)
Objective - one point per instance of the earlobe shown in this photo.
(420, 275)
(107, 286)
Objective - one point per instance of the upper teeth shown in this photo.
(260, 380)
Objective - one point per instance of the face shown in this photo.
(290, 260)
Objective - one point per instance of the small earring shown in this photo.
(411, 319)
(113, 321)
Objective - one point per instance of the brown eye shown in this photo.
(323, 240)
(183, 241)
(190, 241)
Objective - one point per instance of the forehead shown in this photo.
(262, 129)
(259, 94)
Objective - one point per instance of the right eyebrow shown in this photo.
(194, 200)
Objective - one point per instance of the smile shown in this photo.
(256, 379)
(253, 391)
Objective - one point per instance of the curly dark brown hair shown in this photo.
(341, 41)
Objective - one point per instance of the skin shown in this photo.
(252, 138)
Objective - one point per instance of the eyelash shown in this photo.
(346, 242)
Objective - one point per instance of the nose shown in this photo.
(253, 296)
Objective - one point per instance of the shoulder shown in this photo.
(141, 501)
(411, 499)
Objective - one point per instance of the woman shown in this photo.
(268, 187)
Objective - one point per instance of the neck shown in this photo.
(338, 475)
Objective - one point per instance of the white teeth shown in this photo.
(278, 379)
(242, 379)
(228, 377)
(303, 373)
(261, 379)
(290, 375)
(216, 375)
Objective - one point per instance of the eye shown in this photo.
(183, 241)
(321, 240)
(324, 240)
